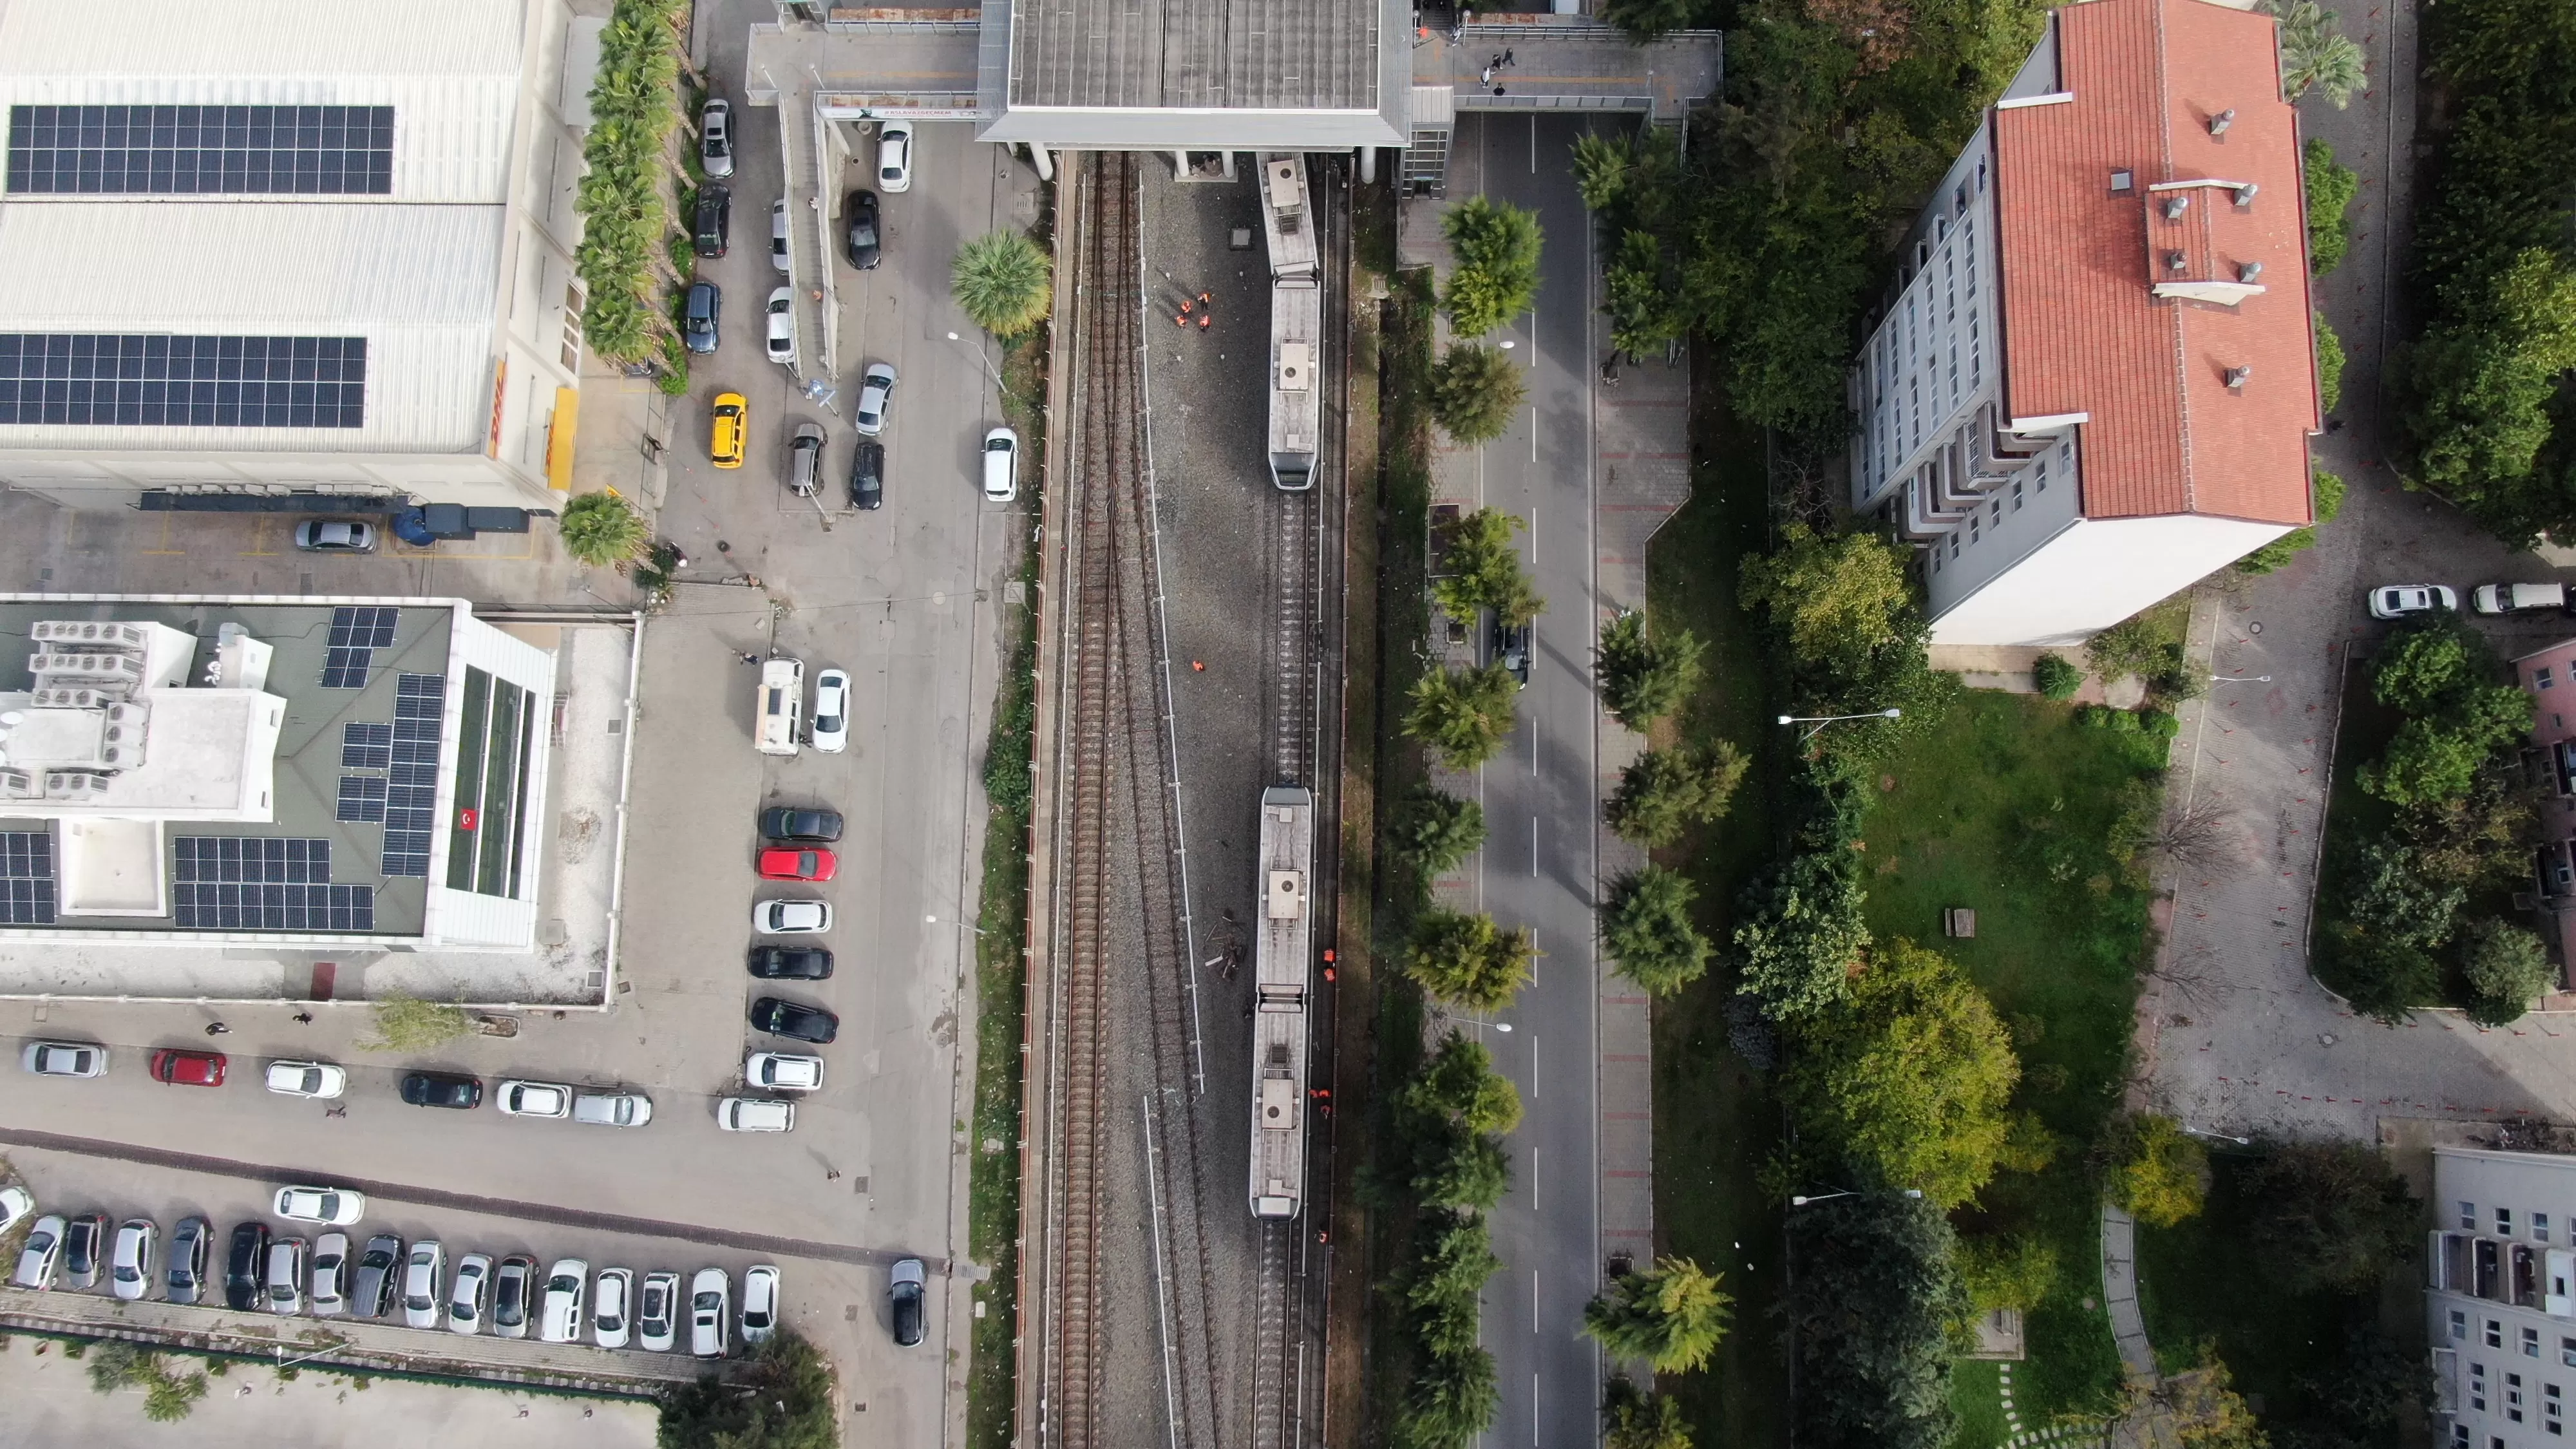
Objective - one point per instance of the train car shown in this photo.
(1296, 365)
(1287, 216)
(1282, 969)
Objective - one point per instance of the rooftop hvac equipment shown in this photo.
(19, 785)
(1287, 898)
(89, 633)
(68, 698)
(112, 670)
(1296, 366)
(1283, 193)
(74, 785)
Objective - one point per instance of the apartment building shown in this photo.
(2094, 377)
(2500, 1298)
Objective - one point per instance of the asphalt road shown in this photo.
(1538, 868)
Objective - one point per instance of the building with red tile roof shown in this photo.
(2094, 379)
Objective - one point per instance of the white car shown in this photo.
(613, 1307)
(2396, 601)
(755, 1114)
(333, 1206)
(320, 1080)
(657, 1312)
(791, 918)
(65, 1059)
(129, 1270)
(1001, 466)
(782, 1072)
(559, 1313)
(831, 711)
(15, 1205)
(612, 1109)
(894, 156)
(43, 1254)
(422, 1272)
(469, 1294)
(759, 1302)
(715, 139)
(876, 394)
(782, 326)
(778, 234)
(535, 1099)
(710, 1312)
(286, 1262)
(331, 1274)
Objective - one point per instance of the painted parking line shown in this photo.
(259, 538)
(165, 550)
(467, 1202)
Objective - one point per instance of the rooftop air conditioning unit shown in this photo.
(123, 756)
(124, 669)
(74, 785)
(19, 785)
(67, 698)
(133, 715)
(94, 633)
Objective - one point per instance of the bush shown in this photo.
(2508, 969)
(2331, 188)
(2330, 360)
(2328, 492)
(1643, 679)
(1433, 831)
(1463, 714)
(2131, 646)
(1475, 393)
(1003, 283)
(1646, 928)
(1664, 792)
(2154, 1169)
(2158, 722)
(1801, 936)
(1467, 961)
(409, 1024)
(2055, 677)
(1495, 247)
(2014, 1272)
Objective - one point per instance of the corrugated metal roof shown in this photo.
(1255, 54)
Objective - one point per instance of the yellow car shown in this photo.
(732, 427)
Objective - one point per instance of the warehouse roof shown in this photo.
(1292, 55)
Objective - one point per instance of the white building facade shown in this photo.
(2500, 1298)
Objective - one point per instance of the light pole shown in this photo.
(2240, 679)
(1822, 720)
(1802, 1201)
(998, 384)
(2220, 1136)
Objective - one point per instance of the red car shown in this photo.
(778, 864)
(188, 1069)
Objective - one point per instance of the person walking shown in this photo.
(304, 1018)
(216, 1028)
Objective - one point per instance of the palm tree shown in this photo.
(603, 529)
(1672, 1317)
(2314, 55)
(1003, 283)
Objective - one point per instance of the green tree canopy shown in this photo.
(1467, 961)
(1476, 391)
(1646, 927)
(1003, 283)
(409, 1024)
(779, 1397)
(603, 529)
(2153, 1168)
(1871, 1312)
(2331, 188)
(1480, 568)
(1639, 297)
(634, 102)
(2013, 1271)
(1463, 714)
(1672, 1316)
(2508, 969)
(2328, 1217)
(2056, 677)
(1645, 678)
(1451, 1401)
(1453, 1256)
(2315, 56)
(1458, 1085)
(1800, 937)
(1474, 1173)
(1664, 792)
(1601, 167)
(1434, 830)
(2483, 376)
(1648, 19)
(1634, 1419)
(1834, 598)
(1494, 246)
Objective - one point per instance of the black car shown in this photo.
(192, 1249)
(1511, 649)
(867, 475)
(786, 822)
(791, 963)
(698, 319)
(379, 1269)
(859, 216)
(715, 220)
(442, 1089)
(244, 1267)
(84, 1248)
(786, 1018)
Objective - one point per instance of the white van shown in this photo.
(2518, 598)
(781, 708)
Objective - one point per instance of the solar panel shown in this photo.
(366, 746)
(158, 380)
(346, 668)
(362, 799)
(261, 883)
(201, 150)
(411, 795)
(26, 878)
(356, 632)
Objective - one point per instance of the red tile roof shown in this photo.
(2083, 332)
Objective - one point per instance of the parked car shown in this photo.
(782, 1072)
(2396, 601)
(469, 1294)
(612, 1109)
(335, 535)
(331, 1274)
(192, 1248)
(513, 1295)
(759, 1302)
(713, 233)
(791, 963)
(787, 1018)
(859, 229)
(612, 1307)
(894, 157)
(657, 1312)
(85, 1249)
(335, 1206)
(778, 234)
(379, 1274)
(700, 319)
(138, 1247)
(811, 862)
(791, 918)
(180, 1067)
(805, 460)
(559, 1315)
(2518, 598)
(710, 1312)
(867, 475)
(535, 1099)
(831, 728)
(41, 1256)
(782, 325)
(788, 823)
(65, 1059)
(876, 392)
(424, 1275)
(287, 1258)
(442, 1089)
(715, 138)
(729, 432)
(320, 1080)
(755, 1114)
(245, 1260)
(16, 1206)
(907, 1286)
(1511, 649)
(1001, 466)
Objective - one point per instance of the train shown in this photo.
(1296, 321)
(1282, 986)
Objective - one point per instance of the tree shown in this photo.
(1638, 296)
(2364, 1390)
(1475, 393)
(1647, 19)
(1912, 1077)
(1642, 678)
(2331, 188)
(2508, 969)
(2328, 1217)
(2483, 837)
(1003, 283)
(2327, 490)
(2330, 360)
(1646, 928)
(1453, 1257)
(2055, 677)
(1871, 1312)
(409, 1024)
(1463, 714)
(1601, 168)
(1473, 1173)
(1834, 599)
(603, 529)
(2434, 760)
(1495, 277)
(1633, 1419)
(2154, 1169)
(1467, 961)
(2483, 378)
(2015, 1271)
(1479, 567)
(1453, 1399)
(1434, 830)
(2314, 55)
(2421, 668)
(1663, 792)
(1673, 1316)
(634, 104)
(1458, 1086)
(1801, 937)
(778, 1397)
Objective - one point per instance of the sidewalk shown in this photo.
(2120, 1296)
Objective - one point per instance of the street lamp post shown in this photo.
(1822, 720)
(2220, 1136)
(2240, 679)
(1802, 1201)
(998, 384)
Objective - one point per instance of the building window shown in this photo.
(2540, 680)
(2504, 1222)
(2531, 1343)
(2016, 495)
(2540, 1227)
(2478, 1387)
(2553, 1408)
(2459, 1436)
(1973, 534)
(2513, 1397)
(2468, 1217)
(2459, 1326)
(2567, 1352)
(2495, 1333)
(2123, 182)
(1954, 547)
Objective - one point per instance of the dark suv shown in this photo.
(715, 220)
(698, 320)
(867, 475)
(791, 963)
(442, 1089)
(786, 822)
(378, 1269)
(245, 1267)
(787, 1018)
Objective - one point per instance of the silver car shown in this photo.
(192, 1249)
(876, 394)
(715, 139)
(470, 1294)
(42, 1256)
(65, 1059)
(612, 1109)
(710, 1313)
(331, 1275)
(285, 1286)
(423, 1272)
(778, 234)
(335, 535)
(129, 1267)
(782, 326)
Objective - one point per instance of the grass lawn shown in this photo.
(2200, 1284)
(1976, 1395)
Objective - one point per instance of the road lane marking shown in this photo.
(1533, 1302)
(1533, 847)
(1533, 424)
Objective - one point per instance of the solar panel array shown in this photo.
(252, 883)
(357, 631)
(162, 380)
(411, 796)
(362, 799)
(201, 150)
(26, 878)
(366, 746)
